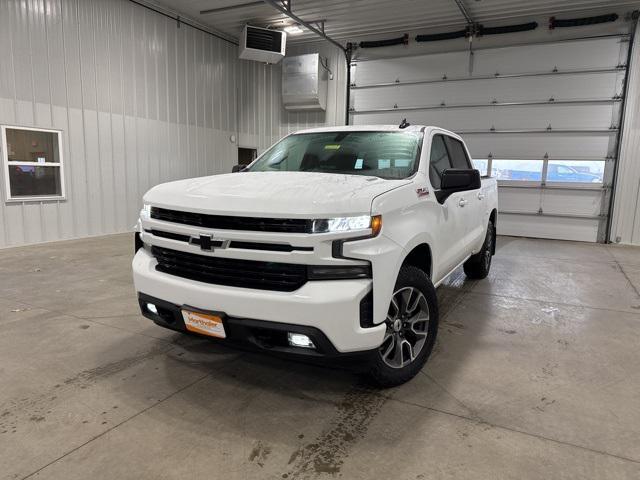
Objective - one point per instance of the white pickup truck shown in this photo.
(329, 244)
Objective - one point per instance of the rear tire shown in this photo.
(412, 326)
(478, 266)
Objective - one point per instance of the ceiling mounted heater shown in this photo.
(262, 44)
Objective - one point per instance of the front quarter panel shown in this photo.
(406, 217)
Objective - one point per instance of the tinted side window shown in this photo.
(458, 154)
(438, 160)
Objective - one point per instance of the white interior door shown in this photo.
(542, 118)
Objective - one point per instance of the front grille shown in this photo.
(223, 222)
(283, 277)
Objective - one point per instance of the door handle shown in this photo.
(481, 196)
(462, 202)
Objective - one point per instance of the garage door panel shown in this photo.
(383, 118)
(572, 202)
(561, 116)
(577, 55)
(536, 146)
(408, 69)
(538, 226)
(518, 199)
(518, 89)
(504, 117)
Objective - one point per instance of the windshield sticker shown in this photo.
(332, 147)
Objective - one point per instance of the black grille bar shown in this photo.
(223, 222)
(283, 277)
(268, 247)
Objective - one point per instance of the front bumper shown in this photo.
(330, 307)
(256, 334)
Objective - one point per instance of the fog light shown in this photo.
(299, 340)
(152, 308)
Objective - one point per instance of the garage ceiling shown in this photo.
(357, 18)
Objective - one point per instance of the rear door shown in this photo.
(473, 210)
(453, 228)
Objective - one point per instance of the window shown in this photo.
(391, 155)
(517, 170)
(438, 161)
(481, 164)
(457, 153)
(575, 171)
(33, 163)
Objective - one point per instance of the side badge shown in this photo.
(422, 192)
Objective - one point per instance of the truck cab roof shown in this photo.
(376, 128)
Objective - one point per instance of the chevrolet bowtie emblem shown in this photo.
(208, 243)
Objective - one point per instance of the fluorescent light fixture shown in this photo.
(293, 29)
(300, 340)
(152, 308)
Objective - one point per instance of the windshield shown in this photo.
(392, 155)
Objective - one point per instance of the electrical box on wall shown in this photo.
(262, 44)
(304, 82)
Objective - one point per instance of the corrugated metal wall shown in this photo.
(263, 120)
(625, 224)
(139, 101)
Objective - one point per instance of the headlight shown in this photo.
(146, 211)
(347, 224)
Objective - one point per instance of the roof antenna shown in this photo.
(404, 123)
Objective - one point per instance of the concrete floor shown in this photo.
(536, 374)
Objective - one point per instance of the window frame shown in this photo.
(464, 151)
(444, 136)
(444, 143)
(6, 164)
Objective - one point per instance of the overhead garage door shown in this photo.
(543, 119)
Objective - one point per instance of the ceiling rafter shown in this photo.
(465, 12)
(280, 5)
(209, 11)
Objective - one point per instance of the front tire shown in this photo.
(478, 266)
(412, 326)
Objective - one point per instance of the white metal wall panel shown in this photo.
(537, 103)
(625, 225)
(138, 100)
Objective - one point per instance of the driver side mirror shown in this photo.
(238, 168)
(458, 180)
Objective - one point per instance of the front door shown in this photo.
(454, 212)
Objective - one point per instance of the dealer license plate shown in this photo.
(203, 323)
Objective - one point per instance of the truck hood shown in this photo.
(273, 194)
